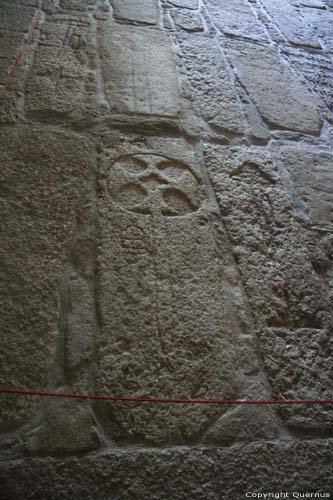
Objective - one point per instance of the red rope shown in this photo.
(23, 50)
(24, 392)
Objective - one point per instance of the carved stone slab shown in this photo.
(236, 18)
(291, 24)
(145, 11)
(165, 328)
(312, 175)
(42, 183)
(287, 297)
(282, 100)
(139, 71)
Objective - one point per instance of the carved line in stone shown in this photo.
(154, 185)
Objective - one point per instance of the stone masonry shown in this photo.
(166, 231)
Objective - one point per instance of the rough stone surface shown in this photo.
(213, 93)
(166, 231)
(289, 22)
(178, 473)
(76, 5)
(62, 81)
(66, 426)
(320, 82)
(258, 214)
(236, 19)
(161, 298)
(322, 20)
(312, 175)
(316, 4)
(279, 96)
(142, 65)
(43, 173)
(13, 30)
(185, 4)
(11, 21)
(188, 22)
(130, 10)
(293, 361)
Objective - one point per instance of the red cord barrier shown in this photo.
(24, 392)
(23, 50)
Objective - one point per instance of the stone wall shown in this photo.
(167, 231)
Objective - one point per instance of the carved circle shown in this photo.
(155, 185)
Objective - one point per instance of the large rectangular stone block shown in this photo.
(269, 246)
(212, 90)
(185, 4)
(138, 70)
(15, 23)
(165, 321)
(43, 176)
(14, 17)
(177, 473)
(316, 67)
(145, 11)
(287, 298)
(62, 81)
(292, 26)
(279, 96)
(298, 364)
(236, 18)
(322, 21)
(312, 175)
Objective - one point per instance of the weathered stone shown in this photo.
(77, 4)
(213, 94)
(257, 211)
(322, 20)
(188, 22)
(159, 296)
(273, 32)
(316, 4)
(236, 18)
(245, 424)
(81, 326)
(290, 294)
(43, 175)
(291, 25)
(178, 473)
(298, 365)
(150, 125)
(62, 81)
(145, 11)
(10, 20)
(11, 43)
(13, 32)
(25, 3)
(167, 22)
(280, 98)
(8, 110)
(258, 129)
(318, 72)
(191, 267)
(320, 245)
(66, 426)
(141, 63)
(185, 4)
(312, 175)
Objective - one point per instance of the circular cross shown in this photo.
(155, 185)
